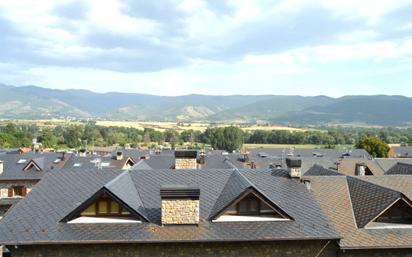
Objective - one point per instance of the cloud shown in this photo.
(199, 45)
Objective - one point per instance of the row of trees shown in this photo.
(227, 138)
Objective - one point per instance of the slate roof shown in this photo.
(318, 170)
(368, 199)
(35, 219)
(347, 166)
(308, 152)
(400, 169)
(333, 193)
(14, 171)
(387, 163)
(90, 162)
(403, 151)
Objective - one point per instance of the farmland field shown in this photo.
(162, 126)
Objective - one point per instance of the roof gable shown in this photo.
(236, 188)
(120, 189)
(318, 170)
(37, 163)
(369, 200)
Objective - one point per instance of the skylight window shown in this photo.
(21, 161)
(77, 165)
(105, 164)
(56, 161)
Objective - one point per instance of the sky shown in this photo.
(176, 47)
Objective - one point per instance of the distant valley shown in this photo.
(33, 102)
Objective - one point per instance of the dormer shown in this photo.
(116, 202)
(377, 207)
(34, 164)
(241, 201)
(361, 169)
(251, 206)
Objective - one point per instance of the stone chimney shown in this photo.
(119, 156)
(1, 167)
(180, 205)
(185, 159)
(294, 167)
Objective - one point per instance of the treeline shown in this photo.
(228, 138)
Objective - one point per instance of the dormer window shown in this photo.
(398, 215)
(105, 206)
(251, 207)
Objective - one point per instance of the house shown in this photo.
(400, 152)
(169, 212)
(20, 172)
(372, 214)
(84, 161)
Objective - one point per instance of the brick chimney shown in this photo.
(1, 167)
(185, 159)
(180, 205)
(294, 167)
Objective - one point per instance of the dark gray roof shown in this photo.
(403, 151)
(400, 169)
(368, 199)
(36, 218)
(13, 170)
(123, 187)
(318, 170)
(309, 152)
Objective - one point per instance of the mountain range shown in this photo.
(33, 102)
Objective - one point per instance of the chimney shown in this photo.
(294, 167)
(1, 167)
(119, 156)
(82, 152)
(185, 159)
(202, 157)
(180, 205)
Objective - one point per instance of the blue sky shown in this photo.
(174, 47)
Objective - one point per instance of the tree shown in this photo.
(72, 136)
(373, 145)
(228, 138)
(48, 138)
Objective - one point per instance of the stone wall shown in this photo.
(241, 249)
(378, 253)
(185, 163)
(180, 211)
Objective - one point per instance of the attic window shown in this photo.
(104, 206)
(398, 215)
(21, 161)
(105, 210)
(251, 208)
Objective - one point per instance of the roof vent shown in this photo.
(180, 205)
